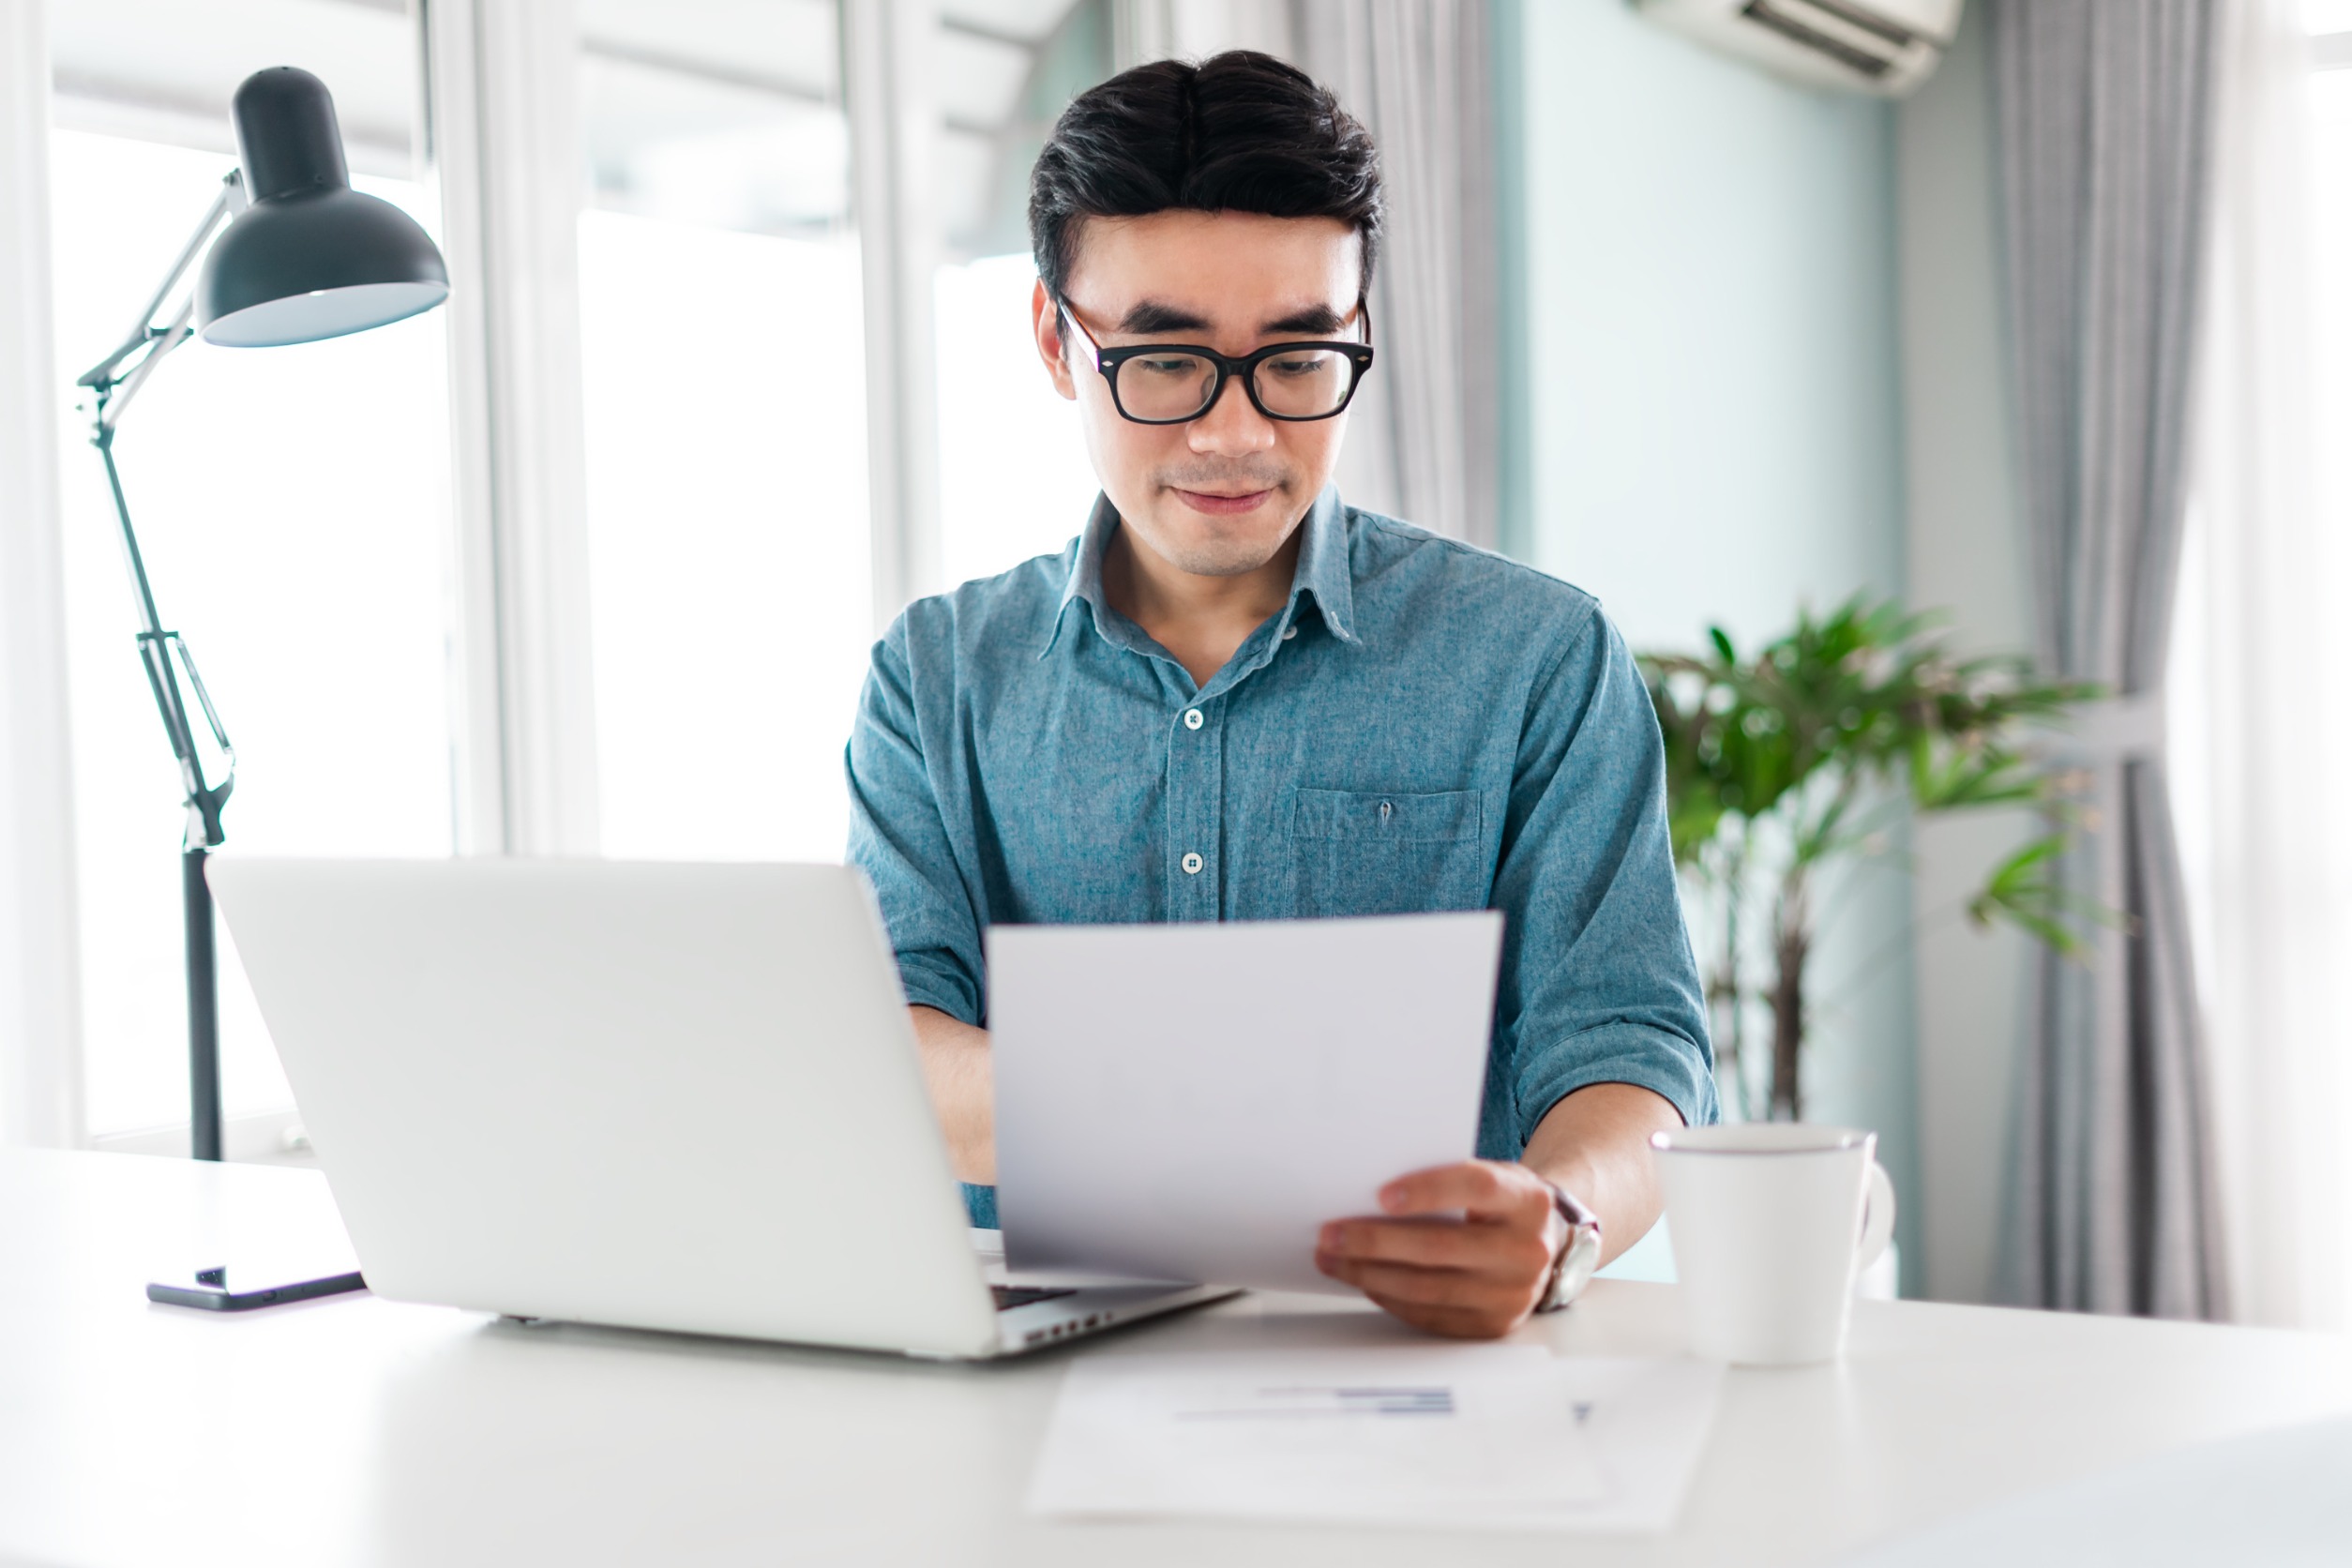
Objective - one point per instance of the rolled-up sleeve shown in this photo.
(1598, 982)
(898, 838)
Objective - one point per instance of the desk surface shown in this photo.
(356, 1430)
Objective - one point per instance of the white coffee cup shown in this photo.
(1770, 1222)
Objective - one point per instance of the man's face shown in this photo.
(1218, 496)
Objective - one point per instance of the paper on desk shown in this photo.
(1648, 1421)
(1459, 1438)
(1387, 1436)
(1192, 1102)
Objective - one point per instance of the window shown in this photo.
(722, 352)
(303, 510)
(292, 503)
(1014, 480)
(722, 344)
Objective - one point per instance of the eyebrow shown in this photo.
(1150, 316)
(1313, 318)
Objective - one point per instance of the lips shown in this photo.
(1223, 506)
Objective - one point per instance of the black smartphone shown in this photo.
(212, 1291)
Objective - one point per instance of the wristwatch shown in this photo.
(1578, 1256)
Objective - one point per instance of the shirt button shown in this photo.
(1290, 632)
(1192, 718)
(1192, 864)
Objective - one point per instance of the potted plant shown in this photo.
(1808, 753)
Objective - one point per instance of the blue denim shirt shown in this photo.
(1423, 726)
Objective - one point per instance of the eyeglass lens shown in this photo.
(1309, 383)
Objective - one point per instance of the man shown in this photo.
(1236, 698)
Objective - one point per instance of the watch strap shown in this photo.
(1583, 1223)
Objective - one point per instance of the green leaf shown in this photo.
(2022, 892)
(1799, 753)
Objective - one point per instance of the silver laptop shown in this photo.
(658, 1095)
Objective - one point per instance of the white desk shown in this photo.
(354, 1430)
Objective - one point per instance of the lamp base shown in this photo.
(212, 1292)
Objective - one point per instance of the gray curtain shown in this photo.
(2104, 112)
(1424, 440)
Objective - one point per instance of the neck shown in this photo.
(1199, 619)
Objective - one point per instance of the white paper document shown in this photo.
(1496, 1437)
(1192, 1102)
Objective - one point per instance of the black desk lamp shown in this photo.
(304, 257)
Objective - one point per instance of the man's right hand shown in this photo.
(957, 1071)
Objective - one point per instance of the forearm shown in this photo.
(1596, 1144)
(957, 1070)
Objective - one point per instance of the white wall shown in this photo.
(1967, 553)
(1712, 292)
(1711, 427)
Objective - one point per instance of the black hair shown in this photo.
(1237, 132)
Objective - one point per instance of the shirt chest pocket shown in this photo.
(1370, 851)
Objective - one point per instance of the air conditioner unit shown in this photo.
(1887, 47)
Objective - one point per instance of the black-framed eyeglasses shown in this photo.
(1174, 384)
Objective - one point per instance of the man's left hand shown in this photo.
(1477, 1277)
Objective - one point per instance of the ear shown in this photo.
(1046, 321)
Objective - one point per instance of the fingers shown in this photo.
(1495, 1278)
(1440, 1301)
(1430, 1287)
(1512, 1251)
(1473, 1278)
(1484, 1189)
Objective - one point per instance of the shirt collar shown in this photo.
(1322, 569)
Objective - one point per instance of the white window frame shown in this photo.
(887, 88)
(40, 986)
(501, 127)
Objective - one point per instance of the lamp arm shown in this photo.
(227, 202)
(113, 397)
(164, 655)
(115, 381)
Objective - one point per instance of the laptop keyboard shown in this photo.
(1011, 1296)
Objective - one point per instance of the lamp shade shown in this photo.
(310, 258)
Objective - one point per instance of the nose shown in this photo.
(1231, 424)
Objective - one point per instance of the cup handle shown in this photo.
(1878, 1219)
